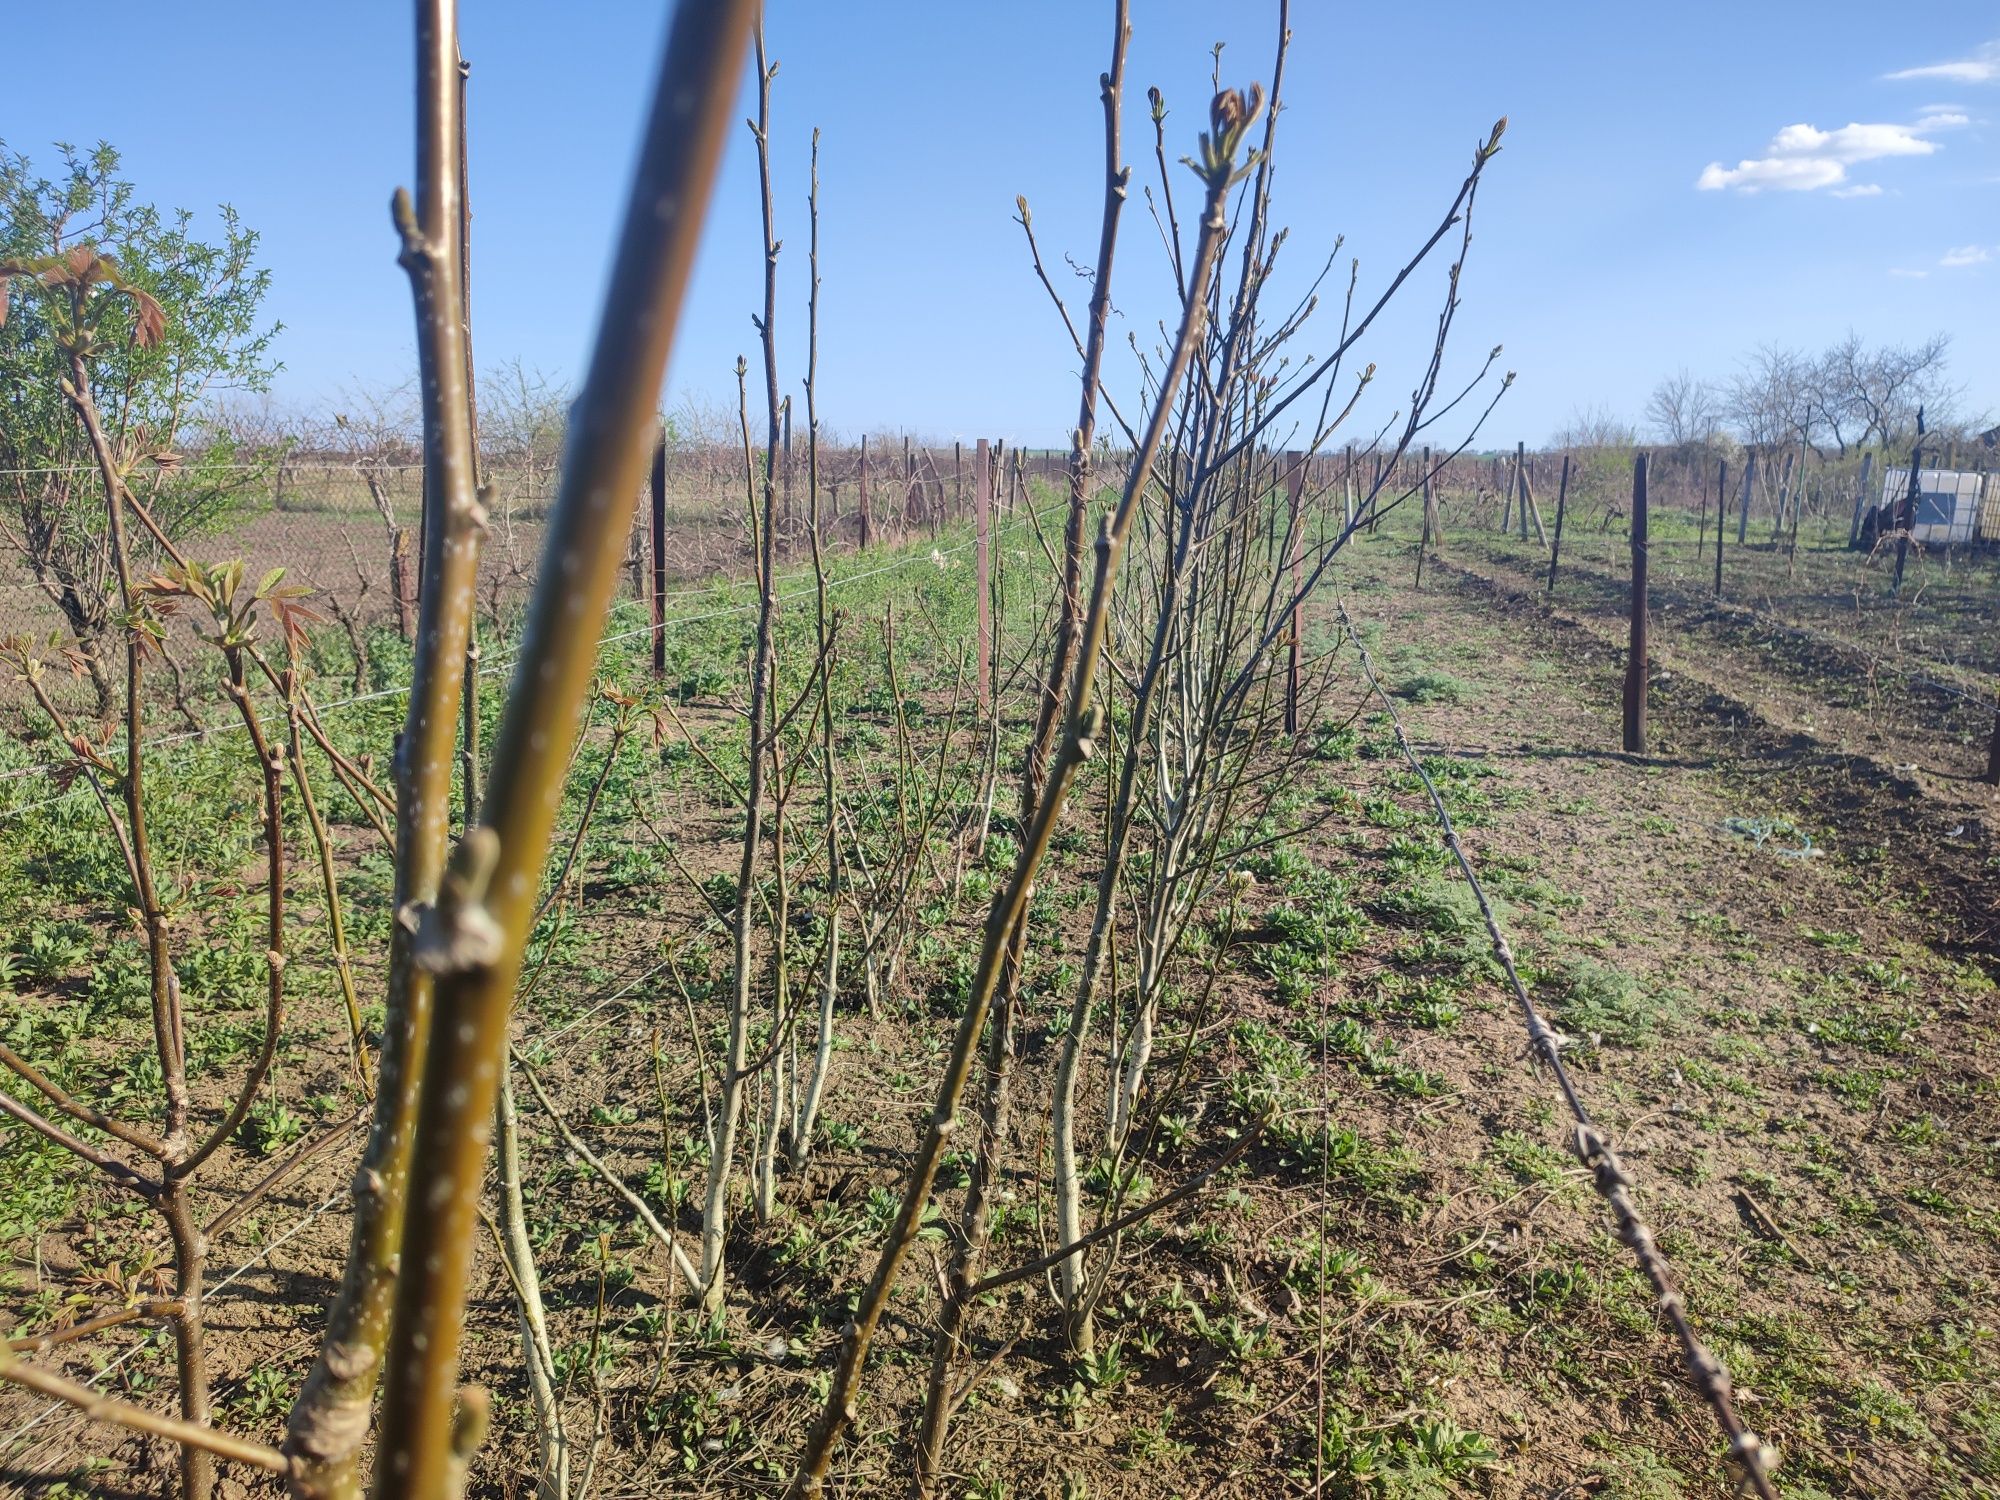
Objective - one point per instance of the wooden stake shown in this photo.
(1784, 498)
(1430, 507)
(1749, 481)
(1860, 501)
(1531, 511)
(1521, 487)
(401, 584)
(1701, 519)
(1635, 659)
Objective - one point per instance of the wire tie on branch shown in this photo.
(459, 935)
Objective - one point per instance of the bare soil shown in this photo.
(1792, 1043)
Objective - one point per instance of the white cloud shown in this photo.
(1801, 175)
(1859, 190)
(1804, 158)
(1965, 255)
(1983, 66)
(1851, 143)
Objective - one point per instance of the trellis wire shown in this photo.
(131, 1352)
(1751, 1458)
(1871, 656)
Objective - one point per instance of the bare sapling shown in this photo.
(882, 874)
(761, 500)
(517, 1256)
(1222, 594)
(470, 940)
(776, 1084)
(468, 739)
(1230, 116)
(948, 1345)
(812, 1091)
(329, 1419)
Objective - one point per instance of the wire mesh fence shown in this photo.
(683, 628)
(1809, 545)
(349, 529)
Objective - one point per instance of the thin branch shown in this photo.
(83, 1113)
(101, 1408)
(596, 1163)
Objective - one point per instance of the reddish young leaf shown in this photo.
(151, 324)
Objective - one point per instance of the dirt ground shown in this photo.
(1769, 943)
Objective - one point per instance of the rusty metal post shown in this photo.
(1562, 504)
(866, 510)
(659, 518)
(1635, 659)
(1721, 510)
(1295, 484)
(982, 501)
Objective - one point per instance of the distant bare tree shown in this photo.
(1683, 410)
(256, 426)
(377, 433)
(1774, 401)
(523, 415)
(1848, 396)
(1879, 390)
(1596, 427)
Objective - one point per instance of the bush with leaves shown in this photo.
(188, 331)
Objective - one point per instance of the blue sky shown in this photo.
(1679, 183)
